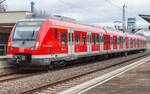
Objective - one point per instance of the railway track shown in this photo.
(58, 84)
(17, 75)
(75, 80)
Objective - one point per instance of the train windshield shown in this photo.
(27, 30)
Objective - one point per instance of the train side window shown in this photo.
(93, 40)
(84, 39)
(101, 39)
(63, 38)
(108, 40)
(111, 40)
(124, 41)
(97, 40)
(69, 37)
(87, 38)
(119, 40)
(90, 38)
(72, 37)
(77, 39)
(55, 30)
(116, 40)
(104, 40)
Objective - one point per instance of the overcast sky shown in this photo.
(87, 11)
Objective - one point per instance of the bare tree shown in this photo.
(2, 6)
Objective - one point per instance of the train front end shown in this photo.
(24, 41)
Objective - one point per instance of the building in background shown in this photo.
(7, 21)
(131, 23)
(145, 32)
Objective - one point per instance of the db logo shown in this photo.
(21, 49)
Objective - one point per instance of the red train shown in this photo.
(46, 42)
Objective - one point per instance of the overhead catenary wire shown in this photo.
(129, 10)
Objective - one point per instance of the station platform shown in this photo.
(135, 81)
(4, 57)
(3, 62)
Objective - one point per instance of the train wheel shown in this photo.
(59, 64)
(51, 66)
(125, 54)
(62, 63)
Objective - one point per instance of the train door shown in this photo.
(111, 42)
(124, 43)
(56, 45)
(70, 41)
(95, 42)
(101, 42)
(105, 40)
(77, 41)
(63, 39)
(131, 43)
(120, 42)
(135, 43)
(93, 39)
(127, 43)
(89, 41)
(84, 42)
(108, 42)
(114, 42)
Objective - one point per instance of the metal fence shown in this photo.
(3, 49)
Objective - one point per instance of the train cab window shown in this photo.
(63, 38)
(77, 39)
(93, 40)
(97, 40)
(55, 30)
(84, 39)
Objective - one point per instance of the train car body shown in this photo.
(44, 41)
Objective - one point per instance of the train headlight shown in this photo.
(8, 44)
(37, 45)
(31, 49)
(11, 49)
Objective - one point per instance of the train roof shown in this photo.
(32, 19)
(55, 22)
(115, 33)
(76, 26)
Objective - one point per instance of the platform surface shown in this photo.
(135, 81)
(3, 62)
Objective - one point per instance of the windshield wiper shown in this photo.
(33, 33)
